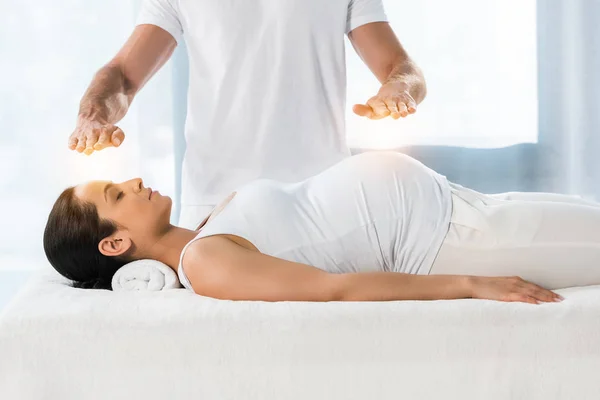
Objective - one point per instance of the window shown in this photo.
(480, 68)
(51, 51)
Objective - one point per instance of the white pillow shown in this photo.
(145, 275)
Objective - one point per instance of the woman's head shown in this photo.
(97, 227)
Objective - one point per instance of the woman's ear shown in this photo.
(115, 245)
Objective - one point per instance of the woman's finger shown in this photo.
(521, 297)
(532, 300)
(543, 294)
(540, 295)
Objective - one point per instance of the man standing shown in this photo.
(267, 87)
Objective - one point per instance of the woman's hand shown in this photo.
(511, 288)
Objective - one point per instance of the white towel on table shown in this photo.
(145, 275)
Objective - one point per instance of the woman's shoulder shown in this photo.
(212, 243)
(210, 246)
(203, 260)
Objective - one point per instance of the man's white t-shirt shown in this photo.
(267, 87)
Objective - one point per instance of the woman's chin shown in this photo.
(168, 204)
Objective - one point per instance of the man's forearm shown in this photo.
(388, 286)
(407, 72)
(108, 97)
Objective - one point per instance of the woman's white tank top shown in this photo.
(375, 211)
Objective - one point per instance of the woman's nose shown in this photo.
(137, 184)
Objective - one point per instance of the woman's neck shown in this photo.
(168, 247)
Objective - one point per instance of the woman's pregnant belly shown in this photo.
(365, 213)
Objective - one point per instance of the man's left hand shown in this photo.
(392, 100)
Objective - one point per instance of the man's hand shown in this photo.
(90, 135)
(114, 86)
(393, 99)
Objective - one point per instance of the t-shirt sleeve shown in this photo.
(361, 12)
(162, 13)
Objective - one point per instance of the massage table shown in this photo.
(58, 342)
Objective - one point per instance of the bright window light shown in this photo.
(480, 63)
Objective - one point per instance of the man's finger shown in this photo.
(379, 108)
(102, 141)
(91, 141)
(411, 106)
(117, 137)
(362, 110)
(73, 142)
(80, 144)
(392, 105)
(104, 138)
(402, 109)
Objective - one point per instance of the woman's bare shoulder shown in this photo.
(203, 252)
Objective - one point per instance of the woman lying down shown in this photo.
(376, 226)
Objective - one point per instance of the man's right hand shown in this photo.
(90, 135)
(114, 86)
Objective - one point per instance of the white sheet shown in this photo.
(57, 342)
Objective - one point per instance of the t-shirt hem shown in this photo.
(367, 19)
(170, 28)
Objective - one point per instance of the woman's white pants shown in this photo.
(552, 240)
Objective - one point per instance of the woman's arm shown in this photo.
(220, 268)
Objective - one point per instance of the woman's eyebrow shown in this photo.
(106, 189)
